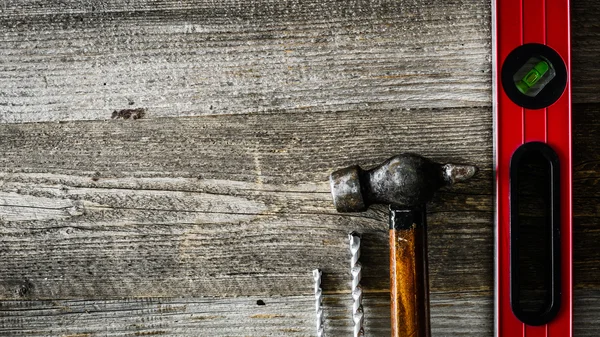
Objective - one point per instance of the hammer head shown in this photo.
(406, 180)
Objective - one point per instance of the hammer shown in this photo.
(406, 183)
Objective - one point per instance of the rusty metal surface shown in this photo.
(405, 180)
(346, 189)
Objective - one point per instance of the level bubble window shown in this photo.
(534, 75)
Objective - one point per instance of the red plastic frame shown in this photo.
(517, 22)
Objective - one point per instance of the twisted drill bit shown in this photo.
(319, 302)
(356, 269)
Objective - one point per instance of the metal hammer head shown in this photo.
(406, 180)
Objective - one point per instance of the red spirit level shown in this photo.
(532, 108)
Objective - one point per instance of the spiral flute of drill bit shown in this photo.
(319, 303)
(356, 269)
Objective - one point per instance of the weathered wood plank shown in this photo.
(223, 205)
(586, 310)
(298, 148)
(586, 194)
(74, 60)
(458, 314)
(585, 48)
(452, 315)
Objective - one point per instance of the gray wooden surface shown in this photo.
(177, 223)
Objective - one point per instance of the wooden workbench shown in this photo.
(203, 211)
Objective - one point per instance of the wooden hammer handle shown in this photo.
(409, 286)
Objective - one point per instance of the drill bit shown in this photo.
(319, 302)
(356, 269)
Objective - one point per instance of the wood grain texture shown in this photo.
(586, 196)
(222, 205)
(409, 288)
(81, 60)
(585, 48)
(452, 314)
(280, 316)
